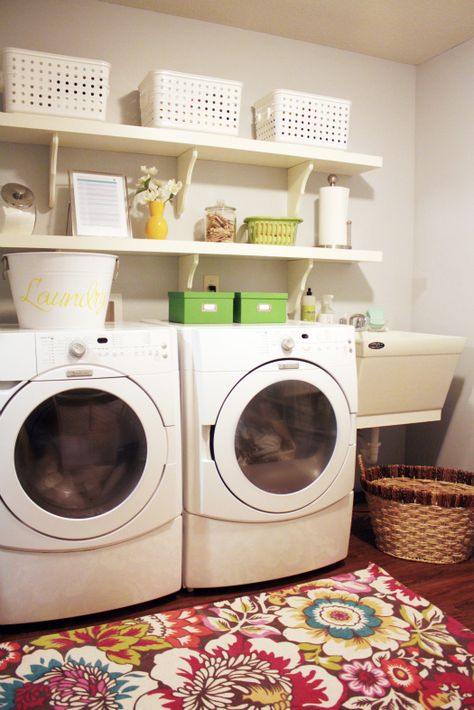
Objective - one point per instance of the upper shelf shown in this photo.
(97, 135)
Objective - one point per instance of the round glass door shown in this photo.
(282, 436)
(285, 436)
(80, 453)
(81, 459)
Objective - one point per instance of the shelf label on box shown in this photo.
(264, 307)
(209, 307)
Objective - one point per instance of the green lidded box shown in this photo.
(200, 307)
(255, 307)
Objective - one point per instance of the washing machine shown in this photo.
(269, 438)
(91, 484)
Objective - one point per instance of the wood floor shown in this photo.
(450, 587)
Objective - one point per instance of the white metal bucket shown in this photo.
(60, 289)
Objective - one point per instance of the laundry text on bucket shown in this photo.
(91, 298)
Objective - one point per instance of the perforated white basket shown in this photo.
(170, 99)
(297, 117)
(39, 82)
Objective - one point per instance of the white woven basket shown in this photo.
(39, 82)
(296, 117)
(170, 99)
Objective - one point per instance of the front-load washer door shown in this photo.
(282, 435)
(80, 459)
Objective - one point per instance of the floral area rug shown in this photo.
(359, 640)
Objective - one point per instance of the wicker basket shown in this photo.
(421, 513)
(272, 230)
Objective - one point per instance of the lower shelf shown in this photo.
(300, 259)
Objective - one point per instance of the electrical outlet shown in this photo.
(211, 280)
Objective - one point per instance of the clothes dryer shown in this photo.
(91, 486)
(269, 438)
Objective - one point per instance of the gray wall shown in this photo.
(443, 299)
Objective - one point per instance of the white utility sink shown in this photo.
(403, 377)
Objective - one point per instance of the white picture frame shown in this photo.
(99, 205)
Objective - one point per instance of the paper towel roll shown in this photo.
(16, 222)
(333, 206)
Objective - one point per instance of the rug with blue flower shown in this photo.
(360, 641)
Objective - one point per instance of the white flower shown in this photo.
(150, 189)
(148, 171)
(174, 186)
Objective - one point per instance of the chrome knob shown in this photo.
(77, 349)
(287, 344)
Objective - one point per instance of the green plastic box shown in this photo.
(200, 307)
(254, 307)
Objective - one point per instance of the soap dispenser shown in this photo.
(308, 306)
(327, 314)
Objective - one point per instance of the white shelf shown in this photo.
(300, 259)
(97, 135)
(169, 247)
(187, 146)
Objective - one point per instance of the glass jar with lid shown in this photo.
(220, 223)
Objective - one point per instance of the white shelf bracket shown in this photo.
(187, 266)
(53, 164)
(297, 178)
(185, 167)
(298, 272)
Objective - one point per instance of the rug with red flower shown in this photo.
(362, 641)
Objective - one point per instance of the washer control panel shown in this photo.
(132, 351)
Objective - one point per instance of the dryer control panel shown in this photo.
(138, 351)
(337, 341)
(241, 348)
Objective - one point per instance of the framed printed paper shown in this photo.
(99, 205)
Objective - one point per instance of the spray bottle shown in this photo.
(327, 314)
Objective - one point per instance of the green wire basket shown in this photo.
(280, 231)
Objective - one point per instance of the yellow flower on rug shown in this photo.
(121, 642)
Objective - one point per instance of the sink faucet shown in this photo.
(359, 321)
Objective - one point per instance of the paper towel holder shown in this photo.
(343, 237)
(332, 180)
(18, 196)
(17, 209)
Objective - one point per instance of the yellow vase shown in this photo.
(156, 226)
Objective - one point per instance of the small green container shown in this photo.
(278, 231)
(200, 307)
(254, 307)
